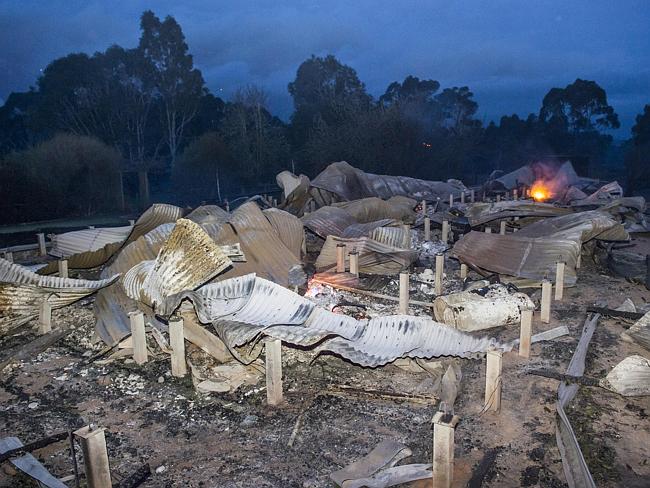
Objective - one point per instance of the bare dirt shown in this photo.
(236, 440)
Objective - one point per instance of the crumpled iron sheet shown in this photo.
(575, 467)
(78, 241)
(188, 259)
(630, 377)
(208, 214)
(296, 192)
(265, 254)
(563, 177)
(482, 212)
(372, 209)
(334, 221)
(245, 310)
(345, 182)
(639, 332)
(374, 257)
(22, 292)
(157, 214)
(392, 236)
(533, 252)
(533, 258)
(579, 226)
(288, 227)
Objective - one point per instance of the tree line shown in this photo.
(90, 120)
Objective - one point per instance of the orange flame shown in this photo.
(540, 191)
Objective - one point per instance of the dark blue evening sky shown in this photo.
(508, 52)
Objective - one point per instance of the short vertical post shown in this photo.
(525, 333)
(488, 230)
(407, 235)
(340, 258)
(546, 301)
(354, 263)
(273, 350)
(443, 449)
(9, 256)
(451, 199)
(579, 260)
(493, 380)
(45, 318)
(424, 207)
(139, 337)
(131, 222)
(472, 196)
(440, 265)
(498, 198)
(177, 343)
(515, 194)
(462, 196)
(42, 250)
(404, 293)
(427, 229)
(93, 446)
(63, 268)
(463, 271)
(275, 202)
(227, 206)
(502, 228)
(559, 280)
(445, 231)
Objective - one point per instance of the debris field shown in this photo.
(365, 330)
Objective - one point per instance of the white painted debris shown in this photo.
(630, 377)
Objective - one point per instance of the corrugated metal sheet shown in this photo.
(246, 309)
(483, 212)
(288, 228)
(65, 245)
(22, 292)
(533, 252)
(372, 209)
(188, 259)
(248, 228)
(374, 257)
(157, 214)
(630, 377)
(334, 221)
(392, 236)
(515, 255)
(348, 183)
(208, 214)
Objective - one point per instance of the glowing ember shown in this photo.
(540, 192)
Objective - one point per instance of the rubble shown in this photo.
(630, 377)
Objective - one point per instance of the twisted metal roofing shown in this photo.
(245, 310)
(22, 292)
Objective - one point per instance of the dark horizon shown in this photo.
(509, 57)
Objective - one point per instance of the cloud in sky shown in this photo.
(507, 51)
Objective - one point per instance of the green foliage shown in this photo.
(64, 176)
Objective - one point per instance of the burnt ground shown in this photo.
(236, 440)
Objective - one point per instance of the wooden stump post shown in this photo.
(42, 250)
(462, 196)
(445, 231)
(177, 343)
(403, 293)
(559, 280)
(502, 228)
(273, 350)
(139, 337)
(463, 271)
(451, 200)
(440, 265)
(444, 426)
(472, 196)
(45, 318)
(340, 258)
(488, 230)
(493, 380)
(63, 268)
(525, 333)
(424, 207)
(407, 233)
(93, 446)
(354, 263)
(427, 229)
(546, 302)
